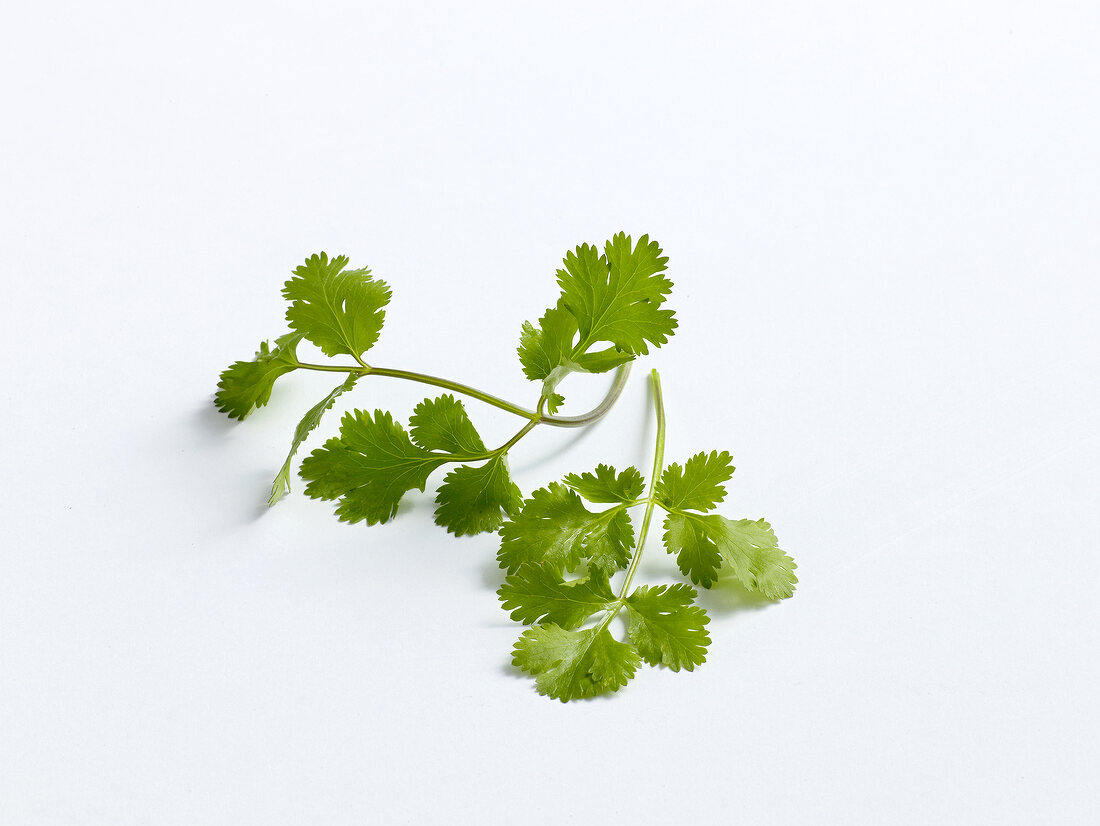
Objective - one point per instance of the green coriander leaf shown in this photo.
(546, 348)
(616, 297)
(538, 593)
(752, 553)
(546, 353)
(368, 467)
(338, 310)
(555, 527)
(602, 360)
(606, 486)
(568, 665)
(246, 385)
(471, 499)
(667, 627)
(773, 573)
(691, 539)
(307, 425)
(442, 424)
(748, 549)
(698, 485)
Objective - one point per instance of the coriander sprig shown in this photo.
(613, 299)
(609, 312)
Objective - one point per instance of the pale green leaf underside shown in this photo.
(751, 550)
(705, 544)
(310, 422)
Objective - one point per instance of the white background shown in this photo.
(882, 222)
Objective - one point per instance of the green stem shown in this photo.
(424, 378)
(332, 368)
(650, 500)
(536, 417)
(456, 387)
(597, 412)
(523, 431)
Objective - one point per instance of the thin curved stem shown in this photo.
(447, 384)
(621, 375)
(527, 428)
(600, 410)
(650, 500)
(332, 368)
(424, 378)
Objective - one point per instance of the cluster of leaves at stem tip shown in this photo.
(570, 551)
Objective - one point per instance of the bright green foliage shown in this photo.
(471, 499)
(246, 385)
(610, 311)
(310, 422)
(368, 467)
(752, 553)
(539, 593)
(704, 543)
(690, 538)
(338, 310)
(568, 665)
(604, 485)
(442, 424)
(553, 533)
(374, 462)
(698, 485)
(616, 297)
(546, 348)
(664, 625)
(555, 527)
(667, 627)
(613, 298)
(547, 353)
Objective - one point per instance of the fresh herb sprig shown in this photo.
(609, 312)
(569, 648)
